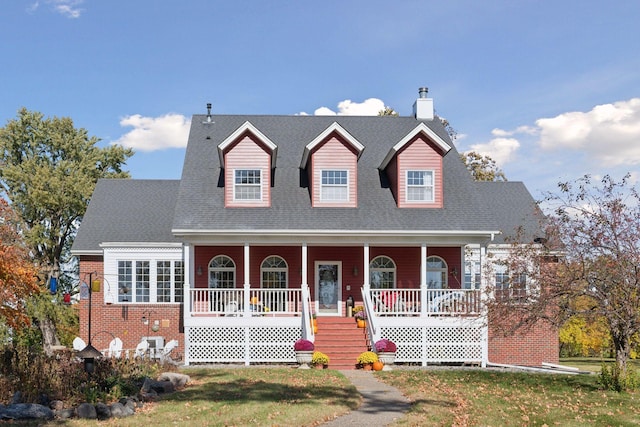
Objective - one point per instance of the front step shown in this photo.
(341, 340)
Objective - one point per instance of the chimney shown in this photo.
(423, 107)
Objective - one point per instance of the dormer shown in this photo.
(415, 170)
(247, 157)
(331, 163)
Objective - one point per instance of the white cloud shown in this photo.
(155, 133)
(369, 107)
(609, 133)
(68, 8)
(500, 149)
(32, 8)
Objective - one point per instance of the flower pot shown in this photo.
(387, 359)
(362, 323)
(367, 366)
(304, 358)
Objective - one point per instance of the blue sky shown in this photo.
(550, 89)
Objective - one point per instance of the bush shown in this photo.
(367, 357)
(612, 379)
(303, 345)
(319, 358)
(385, 346)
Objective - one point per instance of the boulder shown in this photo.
(103, 411)
(86, 411)
(25, 411)
(178, 380)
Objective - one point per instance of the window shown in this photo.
(274, 273)
(222, 272)
(510, 286)
(167, 275)
(472, 275)
(436, 273)
(248, 184)
(382, 272)
(420, 186)
(334, 186)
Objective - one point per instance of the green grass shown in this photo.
(594, 364)
(490, 398)
(244, 397)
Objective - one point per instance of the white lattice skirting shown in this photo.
(241, 344)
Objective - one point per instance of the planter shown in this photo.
(361, 323)
(387, 359)
(367, 366)
(304, 358)
(318, 366)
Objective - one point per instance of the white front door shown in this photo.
(328, 288)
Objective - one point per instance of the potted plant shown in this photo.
(386, 350)
(319, 360)
(361, 318)
(304, 352)
(366, 359)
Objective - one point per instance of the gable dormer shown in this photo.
(247, 157)
(331, 162)
(415, 170)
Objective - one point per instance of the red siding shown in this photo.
(334, 154)
(247, 153)
(419, 154)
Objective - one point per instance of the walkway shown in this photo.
(381, 406)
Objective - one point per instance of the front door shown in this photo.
(328, 288)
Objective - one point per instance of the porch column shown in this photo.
(365, 267)
(423, 279)
(304, 265)
(189, 269)
(246, 285)
(484, 332)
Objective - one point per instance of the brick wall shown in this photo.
(528, 348)
(124, 320)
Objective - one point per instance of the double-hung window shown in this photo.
(136, 279)
(509, 285)
(420, 186)
(334, 186)
(247, 184)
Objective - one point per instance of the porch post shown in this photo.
(304, 265)
(484, 332)
(365, 268)
(423, 280)
(247, 311)
(189, 268)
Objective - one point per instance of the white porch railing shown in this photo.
(237, 302)
(408, 302)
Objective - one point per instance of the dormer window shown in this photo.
(420, 186)
(247, 184)
(334, 186)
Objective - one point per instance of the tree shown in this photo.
(17, 274)
(48, 169)
(593, 238)
(388, 111)
(482, 168)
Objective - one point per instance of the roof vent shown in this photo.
(423, 107)
(208, 121)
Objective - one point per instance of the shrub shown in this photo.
(319, 358)
(385, 346)
(367, 357)
(303, 345)
(611, 378)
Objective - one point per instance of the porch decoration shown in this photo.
(366, 359)
(319, 360)
(386, 350)
(361, 318)
(304, 352)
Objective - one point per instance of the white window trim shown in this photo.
(235, 185)
(393, 270)
(407, 186)
(284, 269)
(323, 186)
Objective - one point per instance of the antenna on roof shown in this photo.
(208, 114)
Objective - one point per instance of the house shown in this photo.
(280, 218)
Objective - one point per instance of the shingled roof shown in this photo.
(158, 211)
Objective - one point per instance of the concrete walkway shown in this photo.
(382, 404)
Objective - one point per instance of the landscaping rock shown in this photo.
(86, 411)
(157, 386)
(178, 380)
(25, 411)
(64, 414)
(118, 410)
(57, 405)
(17, 398)
(103, 411)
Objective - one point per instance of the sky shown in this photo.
(549, 89)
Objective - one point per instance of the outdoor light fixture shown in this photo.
(199, 271)
(454, 272)
(89, 354)
(355, 270)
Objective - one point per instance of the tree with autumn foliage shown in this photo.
(17, 273)
(482, 168)
(587, 264)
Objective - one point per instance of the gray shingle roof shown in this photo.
(128, 210)
(148, 210)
